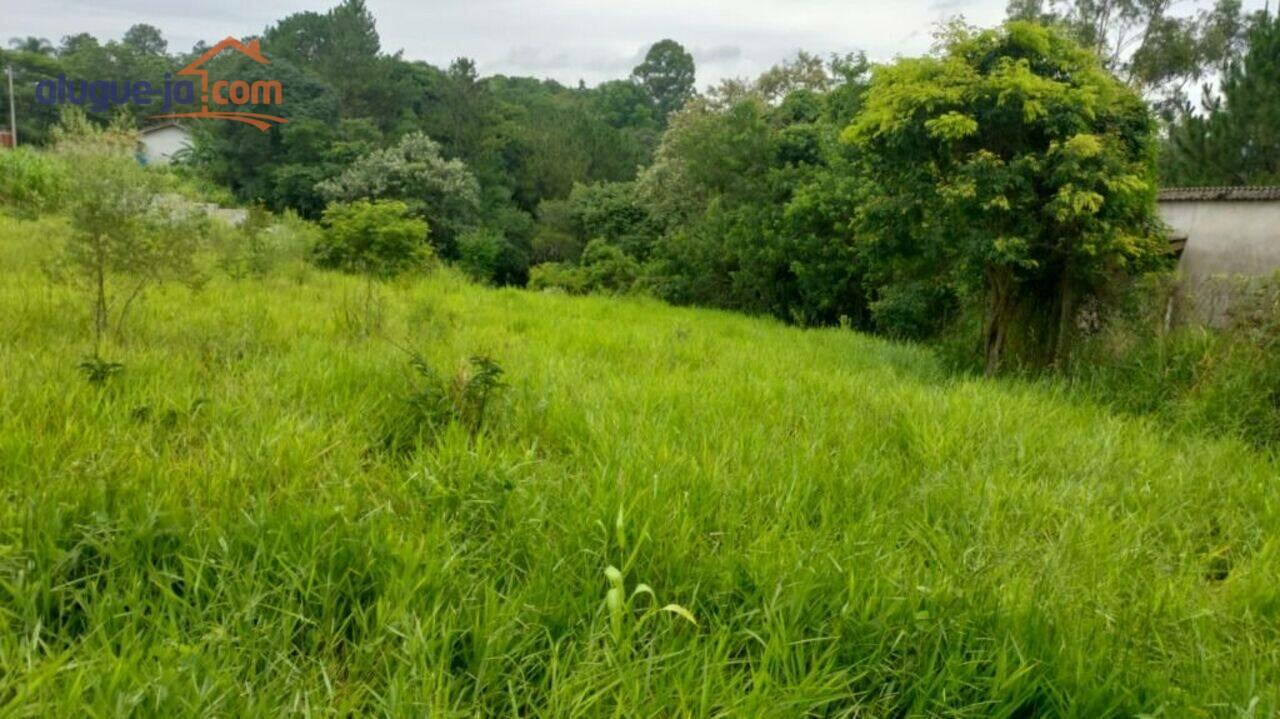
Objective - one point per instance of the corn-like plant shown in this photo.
(622, 607)
(624, 623)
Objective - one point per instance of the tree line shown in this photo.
(994, 189)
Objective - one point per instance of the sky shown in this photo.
(567, 40)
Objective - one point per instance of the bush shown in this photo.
(492, 256)
(611, 210)
(378, 237)
(414, 171)
(479, 252)
(32, 181)
(912, 310)
(435, 402)
(604, 268)
(608, 268)
(558, 275)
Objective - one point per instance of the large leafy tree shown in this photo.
(35, 119)
(280, 168)
(1158, 47)
(37, 45)
(1012, 168)
(667, 74)
(342, 47)
(752, 196)
(145, 39)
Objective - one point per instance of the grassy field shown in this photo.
(248, 519)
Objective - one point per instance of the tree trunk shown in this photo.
(1066, 310)
(998, 316)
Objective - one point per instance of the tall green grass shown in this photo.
(220, 528)
(1223, 381)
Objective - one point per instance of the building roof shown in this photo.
(1209, 194)
(160, 126)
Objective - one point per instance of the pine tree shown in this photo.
(1236, 141)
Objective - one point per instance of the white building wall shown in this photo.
(1227, 242)
(159, 146)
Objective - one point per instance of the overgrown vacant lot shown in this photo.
(252, 518)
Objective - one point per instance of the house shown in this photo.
(159, 143)
(1226, 236)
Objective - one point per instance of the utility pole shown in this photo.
(13, 110)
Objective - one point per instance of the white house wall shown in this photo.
(159, 146)
(1226, 241)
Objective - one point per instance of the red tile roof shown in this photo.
(1201, 194)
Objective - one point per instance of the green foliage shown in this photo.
(434, 403)
(612, 212)
(556, 238)
(1011, 169)
(380, 237)
(754, 197)
(667, 75)
(262, 243)
(480, 254)
(608, 268)
(98, 370)
(558, 276)
(125, 237)
(1236, 141)
(245, 250)
(603, 268)
(32, 181)
(441, 192)
(281, 168)
(1155, 50)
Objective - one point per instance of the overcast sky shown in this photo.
(568, 40)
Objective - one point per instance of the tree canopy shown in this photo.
(667, 74)
(1236, 139)
(1012, 167)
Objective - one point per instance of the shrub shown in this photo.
(441, 191)
(611, 210)
(603, 268)
(378, 237)
(490, 255)
(434, 403)
(911, 310)
(479, 252)
(608, 268)
(558, 275)
(32, 181)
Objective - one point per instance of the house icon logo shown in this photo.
(220, 94)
